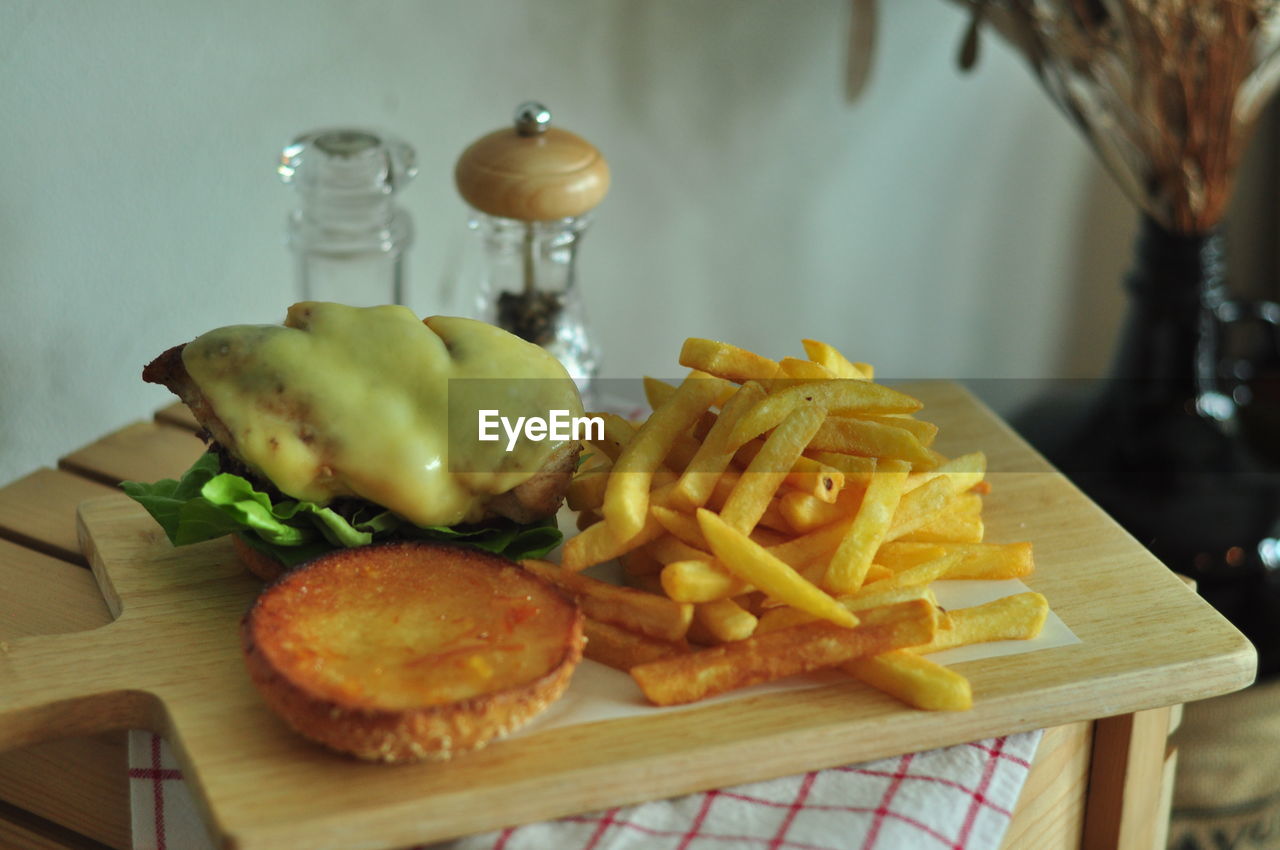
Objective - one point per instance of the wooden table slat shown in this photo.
(79, 783)
(38, 511)
(40, 595)
(143, 451)
(178, 415)
(21, 830)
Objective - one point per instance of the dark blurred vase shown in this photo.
(1160, 445)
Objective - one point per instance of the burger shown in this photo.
(346, 426)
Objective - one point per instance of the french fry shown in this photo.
(920, 506)
(782, 617)
(816, 547)
(950, 528)
(923, 431)
(831, 358)
(849, 564)
(682, 452)
(979, 561)
(880, 596)
(920, 574)
(586, 491)
(806, 468)
(875, 572)
(968, 504)
(668, 549)
(872, 439)
(725, 620)
(700, 581)
(682, 526)
(961, 524)
(657, 392)
(772, 519)
(598, 543)
(856, 469)
(965, 472)
(753, 564)
(1017, 617)
(626, 498)
(815, 479)
(617, 433)
(793, 371)
(835, 397)
(785, 616)
(724, 487)
(623, 649)
(755, 488)
(898, 555)
(786, 652)
(913, 679)
(647, 613)
(805, 513)
(994, 561)
(791, 523)
(713, 458)
(726, 361)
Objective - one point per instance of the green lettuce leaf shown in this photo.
(514, 540)
(205, 504)
(290, 556)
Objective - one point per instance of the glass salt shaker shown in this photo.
(347, 233)
(532, 188)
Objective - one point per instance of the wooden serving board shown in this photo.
(170, 662)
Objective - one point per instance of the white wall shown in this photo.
(943, 225)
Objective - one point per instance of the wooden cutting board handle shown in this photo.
(57, 686)
(175, 629)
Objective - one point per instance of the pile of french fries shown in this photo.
(775, 518)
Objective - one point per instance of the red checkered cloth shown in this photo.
(956, 798)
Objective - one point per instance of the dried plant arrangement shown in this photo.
(1167, 91)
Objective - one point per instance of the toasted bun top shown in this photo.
(404, 626)
(263, 566)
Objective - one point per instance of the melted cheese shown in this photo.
(372, 402)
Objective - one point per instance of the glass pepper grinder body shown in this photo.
(528, 287)
(532, 189)
(347, 234)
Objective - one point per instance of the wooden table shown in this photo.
(1095, 783)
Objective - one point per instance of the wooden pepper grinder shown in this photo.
(532, 188)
